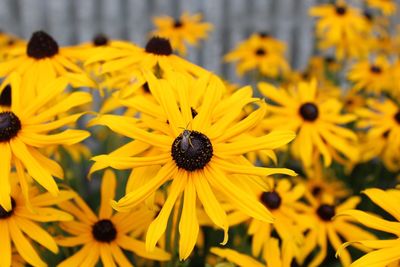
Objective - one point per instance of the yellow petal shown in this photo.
(107, 194)
(236, 257)
(188, 225)
(158, 226)
(5, 168)
(139, 248)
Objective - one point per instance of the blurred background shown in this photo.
(74, 21)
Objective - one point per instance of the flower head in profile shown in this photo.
(317, 120)
(260, 53)
(381, 120)
(188, 29)
(104, 236)
(41, 60)
(342, 27)
(197, 159)
(21, 223)
(385, 252)
(30, 124)
(125, 62)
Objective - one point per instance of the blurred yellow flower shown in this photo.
(188, 29)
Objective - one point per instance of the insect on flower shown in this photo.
(186, 139)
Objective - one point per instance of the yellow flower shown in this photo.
(342, 27)
(8, 42)
(25, 124)
(40, 61)
(373, 77)
(325, 227)
(281, 200)
(382, 121)
(126, 63)
(196, 160)
(262, 53)
(20, 223)
(104, 236)
(384, 252)
(387, 7)
(316, 119)
(187, 29)
(271, 254)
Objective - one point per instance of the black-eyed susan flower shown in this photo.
(188, 29)
(271, 254)
(374, 77)
(385, 252)
(157, 56)
(387, 7)
(20, 224)
(260, 53)
(381, 119)
(198, 158)
(342, 27)
(28, 124)
(104, 236)
(41, 60)
(281, 200)
(326, 229)
(317, 120)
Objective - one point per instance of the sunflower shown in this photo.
(187, 29)
(387, 7)
(126, 62)
(381, 119)
(103, 236)
(264, 54)
(41, 60)
(19, 225)
(384, 252)
(316, 119)
(325, 227)
(25, 124)
(373, 76)
(343, 27)
(271, 254)
(196, 160)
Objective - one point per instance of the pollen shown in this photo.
(193, 152)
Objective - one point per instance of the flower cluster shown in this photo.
(173, 165)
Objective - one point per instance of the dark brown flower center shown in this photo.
(159, 46)
(316, 190)
(309, 111)
(5, 96)
(146, 87)
(263, 34)
(9, 126)
(100, 40)
(375, 69)
(178, 23)
(104, 231)
(191, 150)
(41, 45)
(341, 10)
(6, 214)
(326, 212)
(271, 200)
(397, 117)
(261, 52)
